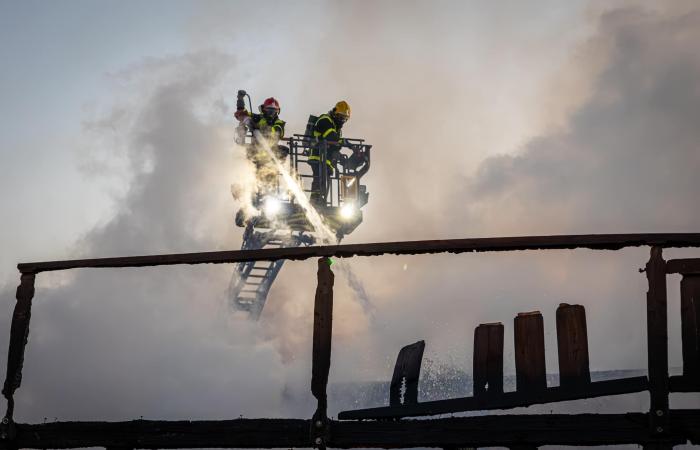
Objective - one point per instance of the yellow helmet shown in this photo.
(342, 109)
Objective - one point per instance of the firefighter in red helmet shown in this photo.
(272, 129)
(267, 122)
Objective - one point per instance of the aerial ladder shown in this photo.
(280, 220)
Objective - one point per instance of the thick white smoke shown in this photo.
(617, 151)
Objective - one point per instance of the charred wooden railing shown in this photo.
(530, 374)
(659, 428)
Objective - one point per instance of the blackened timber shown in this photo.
(690, 326)
(572, 344)
(530, 370)
(507, 431)
(591, 241)
(321, 349)
(19, 334)
(684, 266)
(239, 433)
(683, 384)
(506, 401)
(657, 341)
(483, 431)
(488, 360)
(406, 375)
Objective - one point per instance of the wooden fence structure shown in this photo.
(391, 426)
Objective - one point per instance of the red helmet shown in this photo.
(271, 103)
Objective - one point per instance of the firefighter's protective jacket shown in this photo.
(273, 130)
(326, 129)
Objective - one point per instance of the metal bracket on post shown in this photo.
(657, 343)
(321, 353)
(19, 334)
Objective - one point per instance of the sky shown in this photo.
(486, 119)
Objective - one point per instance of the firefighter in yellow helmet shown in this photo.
(328, 129)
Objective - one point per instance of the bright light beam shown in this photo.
(327, 235)
(347, 211)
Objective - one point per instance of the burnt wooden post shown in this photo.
(488, 359)
(690, 326)
(321, 351)
(657, 341)
(530, 370)
(19, 334)
(406, 375)
(572, 344)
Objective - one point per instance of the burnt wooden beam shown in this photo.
(690, 326)
(530, 370)
(19, 334)
(239, 433)
(657, 341)
(509, 430)
(572, 345)
(506, 401)
(484, 431)
(683, 384)
(404, 382)
(487, 372)
(591, 241)
(683, 266)
(321, 350)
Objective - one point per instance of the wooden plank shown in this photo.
(683, 266)
(690, 326)
(485, 431)
(19, 334)
(404, 382)
(572, 344)
(502, 431)
(530, 370)
(683, 384)
(239, 433)
(657, 341)
(323, 329)
(591, 241)
(506, 401)
(488, 360)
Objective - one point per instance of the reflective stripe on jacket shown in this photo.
(325, 129)
(275, 130)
